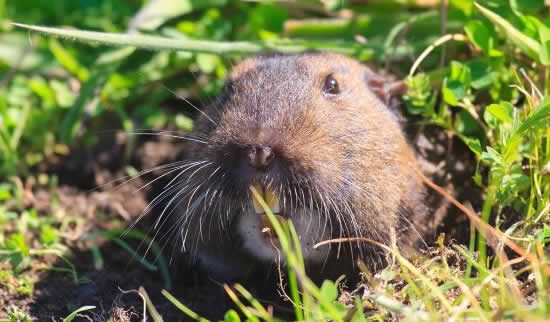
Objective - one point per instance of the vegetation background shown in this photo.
(76, 116)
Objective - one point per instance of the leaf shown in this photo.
(544, 235)
(515, 182)
(48, 235)
(479, 35)
(207, 63)
(267, 17)
(202, 46)
(466, 125)
(87, 96)
(71, 316)
(453, 91)
(461, 72)
(540, 114)
(520, 6)
(528, 45)
(474, 145)
(456, 84)
(329, 290)
(544, 36)
(511, 150)
(491, 155)
(465, 6)
(157, 12)
(503, 112)
(359, 315)
(231, 316)
(65, 58)
(482, 74)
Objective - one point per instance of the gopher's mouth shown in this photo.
(259, 237)
(272, 199)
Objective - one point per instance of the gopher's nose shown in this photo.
(259, 156)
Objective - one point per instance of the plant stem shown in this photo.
(482, 243)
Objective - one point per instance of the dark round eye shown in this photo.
(331, 85)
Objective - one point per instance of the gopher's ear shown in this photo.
(383, 88)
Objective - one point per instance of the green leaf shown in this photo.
(544, 235)
(456, 84)
(453, 91)
(71, 316)
(48, 235)
(544, 36)
(522, 6)
(491, 155)
(482, 74)
(465, 6)
(479, 35)
(511, 150)
(461, 73)
(207, 63)
(359, 315)
(474, 145)
(539, 115)
(503, 112)
(267, 17)
(528, 45)
(88, 97)
(329, 290)
(184, 122)
(5, 194)
(231, 316)
(419, 97)
(515, 182)
(466, 125)
(65, 58)
(157, 12)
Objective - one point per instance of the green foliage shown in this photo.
(57, 95)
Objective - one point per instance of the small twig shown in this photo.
(439, 42)
(493, 236)
(142, 295)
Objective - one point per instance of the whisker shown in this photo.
(188, 102)
(130, 178)
(165, 134)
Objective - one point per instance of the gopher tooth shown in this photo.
(272, 200)
(257, 207)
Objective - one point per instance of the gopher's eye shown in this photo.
(331, 85)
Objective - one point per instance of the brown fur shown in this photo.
(344, 156)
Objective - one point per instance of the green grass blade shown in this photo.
(155, 315)
(134, 254)
(134, 234)
(87, 96)
(540, 113)
(204, 46)
(528, 45)
(71, 316)
(190, 313)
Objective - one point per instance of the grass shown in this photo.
(489, 88)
